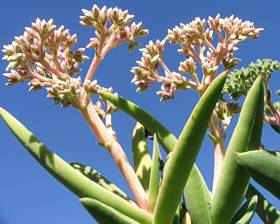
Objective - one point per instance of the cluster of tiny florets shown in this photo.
(200, 46)
(94, 88)
(42, 55)
(66, 93)
(240, 80)
(225, 111)
(112, 24)
(146, 71)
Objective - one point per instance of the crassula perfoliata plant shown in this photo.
(171, 190)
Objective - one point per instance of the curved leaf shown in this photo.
(98, 178)
(105, 214)
(265, 210)
(181, 161)
(264, 167)
(233, 180)
(67, 175)
(176, 218)
(165, 138)
(246, 212)
(141, 158)
(196, 199)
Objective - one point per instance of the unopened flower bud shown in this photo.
(188, 66)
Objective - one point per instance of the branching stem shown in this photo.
(219, 147)
(105, 137)
(101, 51)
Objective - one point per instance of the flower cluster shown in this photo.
(197, 40)
(225, 111)
(147, 72)
(42, 55)
(66, 92)
(198, 43)
(113, 27)
(93, 87)
(240, 80)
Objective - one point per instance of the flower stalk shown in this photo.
(44, 56)
(106, 139)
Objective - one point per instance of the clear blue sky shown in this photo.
(28, 194)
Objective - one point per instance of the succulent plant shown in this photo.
(165, 189)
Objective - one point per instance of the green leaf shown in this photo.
(141, 158)
(67, 175)
(233, 181)
(98, 178)
(265, 210)
(165, 138)
(154, 178)
(105, 214)
(246, 212)
(264, 167)
(176, 218)
(181, 161)
(198, 200)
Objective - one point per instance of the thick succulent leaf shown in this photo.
(265, 210)
(155, 177)
(98, 178)
(165, 138)
(233, 180)
(105, 214)
(181, 161)
(198, 200)
(246, 212)
(176, 218)
(264, 167)
(141, 157)
(67, 175)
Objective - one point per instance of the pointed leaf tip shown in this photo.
(104, 213)
(246, 136)
(263, 166)
(184, 155)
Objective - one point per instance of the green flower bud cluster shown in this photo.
(240, 80)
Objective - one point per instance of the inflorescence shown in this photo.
(44, 54)
(198, 44)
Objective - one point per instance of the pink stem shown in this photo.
(105, 137)
(102, 50)
(219, 147)
(54, 70)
